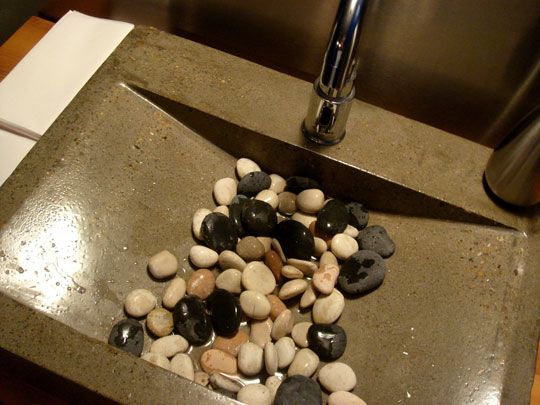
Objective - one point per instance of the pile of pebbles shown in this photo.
(272, 243)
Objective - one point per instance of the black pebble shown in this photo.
(235, 212)
(362, 272)
(258, 218)
(295, 239)
(254, 182)
(358, 215)
(296, 184)
(298, 390)
(225, 313)
(191, 321)
(127, 335)
(219, 232)
(332, 218)
(328, 341)
(376, 238)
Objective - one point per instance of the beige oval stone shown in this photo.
(291, 272)
(254, 304)
(260, 331)
(274, 263)
(266, 242)
(201, 283)
(278, 183)
(310, 201)
(287, 203)
(214, 360)
(225, 382)
(282, 325)
(305, 266)
(222, 209)
(250, 359)
(197, 220)
(351, 231)
(250, 248)
(230, 260)
(272, 383)
(245, 166)
(344, 398)
(337, 376)
(343, 246)
(139, 302)
(157, 359)
(328, 258)
(269, 197)
(225, 190)
(201, 378)
(320, 246)
(304, 219)
(182, 365)
(292, 288)
(174, 292)
(202, 256)
(286, 350)
(305, 363)
(258, 277)
(276, 306)
(163, 265)
(169, 345)
(308, 297)
(230, 280)
(277, 247)
(159, 321)
(328, 309)
(255, 394)
(324, 279)
(232, 344)
(299, 333)
(270, 358)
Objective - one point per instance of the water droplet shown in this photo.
(20, 269)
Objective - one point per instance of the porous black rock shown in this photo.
(376, 238)
(219, 232)
(191, 320)
(358, 215)
(328, 341)
(258, 218)
(253, 183)
(235, 212)
(296, 184)
(298, 390)
(225, 312)
(127, 335)
(362, 272)
(333, 218)
(295, 239)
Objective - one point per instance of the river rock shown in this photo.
(304, 219)
(269, 197)
(160, 322)
(337, 376)
(201, 378)
(225, 312)
(295, 240)
(297, 184)
(310, 201)
(202, 257)
(260, 331)
(282, 325)
(305, 363)
(196, 223)
(258, 277)
(219, 232)
(163, 265)
(362, 272)
(276, 306)
(358, 215)
(201, 283)
(287, 203)
(255, 394)
(328, 341)
(258, 218)
(230, 280)
(221, 209)
(232, 344)
(299, 334)
(286, 350)
(254, 182)
(139, 302)
(332, 218)
(308, 297)
(351, 231)
(344, 398)
(191, 321)
(157, 359)
(235, 213)
(305, 266)
(266, 242)
(250, 248)
(174, 292)
(225, 382)
(127, 335)
(169, 345)
(270, 358)
(320, 246)
(327, 258)
(182, 365)
(277, 184)
(254, 304)
(343, 246)
(376, 238)
(274, 263)
(250, 359)
(230, 260)
(245, 166)
(292, 288)
(324, 279)
(273, 383)
(298, 390)
(214, 360)
(224, 190)
(328, 309)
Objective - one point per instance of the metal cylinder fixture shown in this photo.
(333, 91)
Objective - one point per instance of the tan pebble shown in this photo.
(291, 272)
(270, 358)
(160, 322)
(202, 256)
(230, 280)
(162, 264)
(245, 166)
(274, 263)
(157, 359)
(305, 266)
(214, 360)
(182, 365)
(351, 231)
(250, 248)
(320, 246)
(174, 292)
(232, 344)
(225, 190)
(328, 258)
(169, 345)
(305, 363)
(287, 203)
(266, 241)
(196, 223)
(325, 278)
(277, 247)
(276, 306)
(282, 325)
(344, 398)
(225, 382)
(272, 383)
(269, 197)
(308, 297)
(230, 260)
(201, 378)
(258, 277)
(299, 333)
(343, 246)
(337, 376)
(328, 309)
(222, 209)
(304, 219)
(292, 288)
(278, 183)
(201, 283)
(260, 332)
(310, 201)
(286, 350)
(250, 359)
(139, 302)
(254, 304)
(255, 394)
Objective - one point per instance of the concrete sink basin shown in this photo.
(120, 173)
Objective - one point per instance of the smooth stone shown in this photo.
(196, 223)
(305, 266)
(235, 213)
(320, 246)
(332, 218)
(291, 272)
(201, 378)
(254, 304)
(358, 215)
(327, 258)
(343, 246)
(202, 257)
(299, 334)
(310, 201)
(258, 277)
(328, 341)
(274, 263)
(225, 312)
(201, 283)
(266, 242)
(250, 248)
(273, 383)
(270, 358)
(277, 184)
(169, 345)
(163, 265)
(250, 359)
(252, 183)
(287, 203)
(324, 279)
(305, 363)
(344, 398)
(318, 234)
(295, 239)
(214, 360)
(232, 344)
(282, 325)
(304, 219)
(276, 306)
(258, 218)
(260, 331)
(292, 288)
(269, 197)
(328, 309)
(298, 390)
(362, 272)
(224, 190)
(221, 209)
(276, 246)
(219, 232)
(286, 350)
(230, 280)
(351, 231)
(297, 184)
(139, 302)
(157, 359)
(376, 238)
(191, 321)
(160, 322)
(127, 335)
(255, 394)
(337, 376)
(230, 260)
(225, 382)
(174, 292)
(182, 365)
(308, 297)
(245, 166)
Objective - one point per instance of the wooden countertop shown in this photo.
(11, 52)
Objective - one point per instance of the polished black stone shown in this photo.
(358, 215)
(362, 272)
(127, 335)
(376, 238)
(332, 218)
(295, 239)
(258, 218)
(235, 212)
(252, 183)
(219, 232)
(298, 390)
(296, 184)
(328, 341)
(191, 320)
(225, 312)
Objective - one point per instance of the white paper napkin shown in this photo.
(38, 89)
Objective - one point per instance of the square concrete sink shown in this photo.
(120, 173)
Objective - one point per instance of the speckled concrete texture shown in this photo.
(120, 173)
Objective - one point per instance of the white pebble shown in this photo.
(272, 383)
(255, 394)
(304, 219)
(309, 297)
(292, 288)
(305, 363)
(324, 279)
(174, 292)
(320, 246)
(291, 272)
(182, 365)
(307, 267)
(299, 333)
(202, 256)
(351, 231)
(169, 345)
(328, 258)
(337, 376)
(139, 302)
(231, 260)
(163, 264)
(310, 201)
(258, 277)
(250, 359)
(245, 166)
(328, 309)
(286, 350)
(226, 382)
(222, 209)
(254, 304)
(270, 358)
(344, 398)
(278, 183)
(230, 280)
(157, 359)
(196, 223)
(269, 197)
(343, 246)
(283, 324)
(266, 242)
(224, 190)
(277, 247)
(287, 203)
(260, 332)
(201, 378)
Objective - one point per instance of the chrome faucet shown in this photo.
(333, 90)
